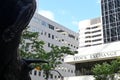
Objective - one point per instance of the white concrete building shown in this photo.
(90, 32)
(53, 33)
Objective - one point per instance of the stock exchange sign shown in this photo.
(96, 56)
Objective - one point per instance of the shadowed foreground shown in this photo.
(15, 15)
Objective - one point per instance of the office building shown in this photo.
(111, 20)
(90, 32)
(55, 34)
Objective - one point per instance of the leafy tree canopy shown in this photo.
(32, 47)
(106, 70)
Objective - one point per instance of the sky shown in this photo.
(69, 12)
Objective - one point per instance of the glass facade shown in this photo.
(111, 20)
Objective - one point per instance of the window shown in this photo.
(48, 44)
(113, 32)
(68, 70)
(68, 44)
(97, 44)
(87, 45)
(62, 59)
(104, 33)
(51, 26)
(96, 40)
(118, 23)
(111, 11)
(87, 32)
(39, 73)
(106, 6)
(88, 28)
(118, 17)
(87, 41)
(71, 71)
(96, 31)
(49, 35)
(71, 36)
(112, 18)
(113, 25)
(96, 35)
(118, 30)
(52, 36)
(113, 38)
(88, 37)
(107, 21)
(42, 33)
(55, 76)
(108, 33)
(35, 72)
(94, 27)
(118, 37)
(103, 20)
(58, 76)
(108, 40)
(43, 23)
(117, 2)
(45, 33)
(111, 5)
(51, 76)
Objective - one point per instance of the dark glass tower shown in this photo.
(111, 20)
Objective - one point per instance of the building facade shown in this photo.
(55, 34)
(111, 20)
(90, 32)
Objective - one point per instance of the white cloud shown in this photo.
(47, 14)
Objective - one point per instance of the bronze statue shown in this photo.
(15, 15)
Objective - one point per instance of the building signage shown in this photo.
(96, 56)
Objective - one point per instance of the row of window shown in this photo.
(88, 32)
(56, 38)
(112, 39)
(111, 32)
(92, 45)
(112, 25)
(93, 36)
(95, 40)
(38, 20)
(110, 12)
(40, 73)
(110, 4)
(69, 45)
(88, 28)
(112, 18)
(52, 27)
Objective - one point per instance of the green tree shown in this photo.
(33, 48)
(106, 70)
(101, 71)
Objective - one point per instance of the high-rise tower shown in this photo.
(111, 20)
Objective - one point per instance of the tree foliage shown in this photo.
(106, 70)
(33, 48)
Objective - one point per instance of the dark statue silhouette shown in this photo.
(15, 15)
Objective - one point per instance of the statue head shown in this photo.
(15, 15)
